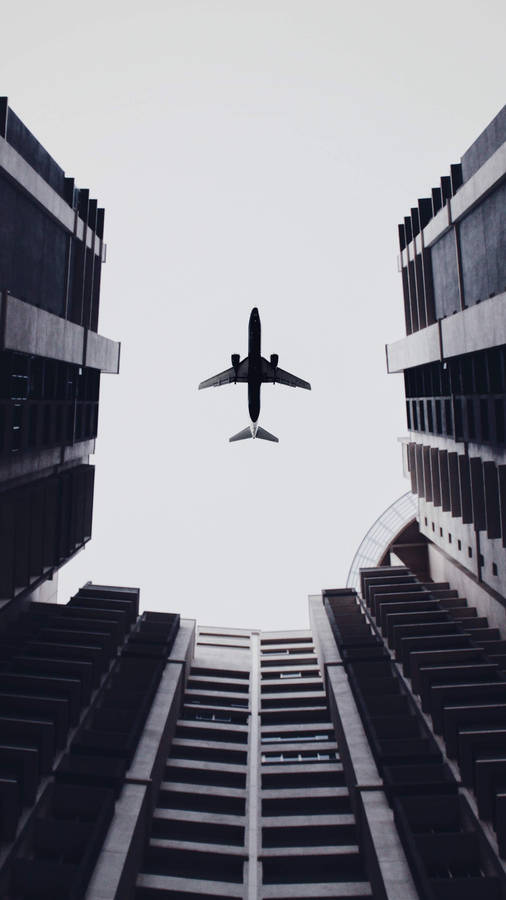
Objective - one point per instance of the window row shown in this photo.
(483, 372)
(478, 419)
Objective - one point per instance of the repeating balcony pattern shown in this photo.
(78, 682)
(309, 836)
(198, 832)
(443, 660)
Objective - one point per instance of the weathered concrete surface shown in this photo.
(392, 873)
(324, 641)
(358, 761)
(28, 329)
(101, 353)
(153, 749)
(120, 858)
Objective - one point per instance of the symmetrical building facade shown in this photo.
(143, 757)
(362, 758)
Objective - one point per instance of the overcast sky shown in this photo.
(249, 154)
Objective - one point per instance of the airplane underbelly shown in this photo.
(254, 401)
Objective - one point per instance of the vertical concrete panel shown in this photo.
(478, 493)
(445, 276)
(444, 480)
(483, 247)
(436, 485)
(453, 473)
(427, 473)
(492, 505)
(501, 472)
(465, 490)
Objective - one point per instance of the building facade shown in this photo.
(453, 266)
(143, 757)
(51, 359)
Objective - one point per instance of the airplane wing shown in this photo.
(275, 375)
(229, 376)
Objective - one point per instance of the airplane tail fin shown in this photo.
(265, 435)
(258, 432)
(242, 435)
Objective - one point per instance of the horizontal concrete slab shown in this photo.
(414, 350)
(195, 886)
(28, 329)
(307, 819)
(336, 889)
(197, 788)
(197, 846)
(186, 815)
(475, 328)
(102, 353)
(333, 850)
(19, 171)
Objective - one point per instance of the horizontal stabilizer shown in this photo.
(242, 435)
(265, 436)
(254, 431)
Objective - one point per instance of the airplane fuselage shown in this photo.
(255, 365)
(254, 371)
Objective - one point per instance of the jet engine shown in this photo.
(274, 360)
(235, 362)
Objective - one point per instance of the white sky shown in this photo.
(249, 154)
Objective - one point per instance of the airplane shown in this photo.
(254, 371)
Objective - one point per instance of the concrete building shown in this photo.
(51, 358)
(363, 758)
(143, 757)
(453, 265)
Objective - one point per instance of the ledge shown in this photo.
(474, 328)
(472, 192)
(19, 171)
(28, 329)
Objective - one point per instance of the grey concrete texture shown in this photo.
(358, 761)
(445, 276)
(154, 745)
(36, 331)
(485, 145)
(119, 861)
(393, 879)
(101, 353)
(475, 328)
(483, 248)
(324, 641)
(20, 172)
(28, 329)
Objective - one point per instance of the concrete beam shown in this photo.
(358, 761)
(28, 329)
(18, 170)
(101, 353)
(390, 873)
(153, 748)
(472, 192)
(324, 641)
(121, 855)
(475, 328)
